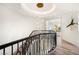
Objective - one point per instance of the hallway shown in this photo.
(18, 20)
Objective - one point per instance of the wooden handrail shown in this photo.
(14, 42)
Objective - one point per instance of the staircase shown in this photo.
(39, 42)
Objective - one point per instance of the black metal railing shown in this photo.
(32, 45)
(40, 31)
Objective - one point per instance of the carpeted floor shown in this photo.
(66, 49)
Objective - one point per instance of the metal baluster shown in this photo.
(4, 51)
(31, 46)
(22, 47)
(48, 43)
(27, 47)
(12, 49)
(50, 40)
(35, 47)
(39, 44)
(17, 47)
(26, 44)
(43, 45)
(55, 39)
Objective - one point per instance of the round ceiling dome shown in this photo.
(38, 8)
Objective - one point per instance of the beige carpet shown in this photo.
(66, 49)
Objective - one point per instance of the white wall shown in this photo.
(15, 26)
(67, 34)
(71, 36)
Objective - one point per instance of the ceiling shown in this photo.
(49, 10)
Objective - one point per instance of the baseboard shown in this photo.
(70, 43)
